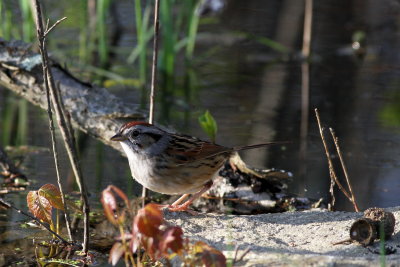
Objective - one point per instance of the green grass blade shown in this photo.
(192, 30)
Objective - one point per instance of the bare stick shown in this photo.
(305, 106)
(56, 158)
(10, 206)
(332, 192)
(66, 115)
(48, 30)
(346, 175)
(154, 64)
(236, 253)
(307, 28)
(54, 142)
(346, 242)
(245, 252)
(305, 83)
(332, 172)
(71, 151)
(153, 74)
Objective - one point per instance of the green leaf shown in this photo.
(209, 125)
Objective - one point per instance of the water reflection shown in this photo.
(253, 89)
(254, 93)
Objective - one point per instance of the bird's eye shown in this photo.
(135, 133)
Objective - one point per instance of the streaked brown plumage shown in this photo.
(172, 163)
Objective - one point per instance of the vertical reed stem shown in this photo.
(153, 74)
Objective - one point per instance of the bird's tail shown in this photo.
(239, 148)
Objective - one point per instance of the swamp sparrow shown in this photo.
(171, 163)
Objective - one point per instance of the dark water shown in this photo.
(254, 93)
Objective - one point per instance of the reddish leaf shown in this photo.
(171, 239)
(210, 256)
(148, 221)
(135, 242)
(108, 198)
(213, 258)
(114, 215)
(116, 253)
(53, 195)
(150, 245)
(39, 206)
(109, 205)
(121, 194)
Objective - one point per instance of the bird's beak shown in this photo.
(118, 137)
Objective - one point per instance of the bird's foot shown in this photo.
(161, 206)
(176, 208)
(183, 207)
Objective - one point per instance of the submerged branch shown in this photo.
(10, 206)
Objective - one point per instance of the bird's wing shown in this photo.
(189, 149)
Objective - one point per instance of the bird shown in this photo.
(173, 163)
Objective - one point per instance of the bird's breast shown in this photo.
(159, 175)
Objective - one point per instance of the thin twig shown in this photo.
(153, 74)
(10, 206)
(56, 158)
(346, 175)
(48, 30)
(47, 24)
(66, 115)
(332, 172)
(346, 241)
(71, 151)
(305, 107)
(332, 192)
(53, 138)
(245, 252)
(154, 64)
(305, 83)
(236, 253)
(307, 28)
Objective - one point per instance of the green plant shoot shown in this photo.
(209, 125)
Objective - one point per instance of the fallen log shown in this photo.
(92, 109)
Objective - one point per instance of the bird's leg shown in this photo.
(184, 207)
(176, 203)
(179, 200)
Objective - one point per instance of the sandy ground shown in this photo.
(288, 239)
